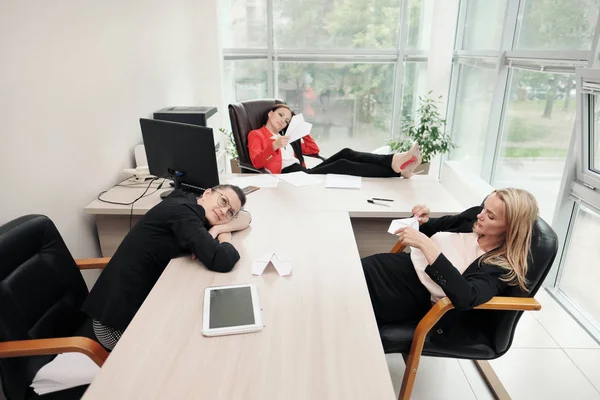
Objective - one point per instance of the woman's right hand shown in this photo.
(421, 212)
(280, 142)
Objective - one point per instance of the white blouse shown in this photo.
(461, 249)
(287, 155)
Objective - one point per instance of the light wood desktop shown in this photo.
(320, 339)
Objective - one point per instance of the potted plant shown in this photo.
(232, 151)
(427, 129)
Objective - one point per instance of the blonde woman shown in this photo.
(470, 257)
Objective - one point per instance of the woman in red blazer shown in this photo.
(271, 150)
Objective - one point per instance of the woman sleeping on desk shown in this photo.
(470, 257)
(180, 223)
(270, 149)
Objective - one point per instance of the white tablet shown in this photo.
(231, 309)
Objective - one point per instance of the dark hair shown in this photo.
(277, 107)
(240, 193)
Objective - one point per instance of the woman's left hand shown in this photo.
(411, 237)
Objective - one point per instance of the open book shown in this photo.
(298, 128)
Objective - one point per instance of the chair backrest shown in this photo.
(500, 326)
(41, 292)
(246, 116)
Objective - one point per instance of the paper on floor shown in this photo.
(300, 178)
(67, 370)
(400, 223)
(280, 260)
(260, 180)
(343, 181)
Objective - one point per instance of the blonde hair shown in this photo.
(520, 212)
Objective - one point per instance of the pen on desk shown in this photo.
(377, 198)
(379, 204)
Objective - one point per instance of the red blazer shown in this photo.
(262, 155)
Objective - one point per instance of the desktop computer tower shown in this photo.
(190, 115)
(186, 115)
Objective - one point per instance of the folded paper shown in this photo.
(281, 261)
(403, 222)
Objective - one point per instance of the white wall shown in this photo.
(75, 77)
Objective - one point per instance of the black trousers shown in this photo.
(350, 162)
(397, 294)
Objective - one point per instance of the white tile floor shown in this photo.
(552, 357)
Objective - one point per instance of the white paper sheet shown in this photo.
(281, 261)
(67, 370)
(259, 265)
(343, 181)
(300, 178)
(298, 128)
(260, 180)
(401, 223)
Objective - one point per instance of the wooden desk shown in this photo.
(113, 221)
(320, 339)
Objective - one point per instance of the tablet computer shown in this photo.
(231, 309)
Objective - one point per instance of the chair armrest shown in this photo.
(398, 247)
(251, 168)
(92, 263)
(511, 303)
(444, 305)
(42, 347)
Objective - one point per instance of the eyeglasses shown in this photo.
(223, 201)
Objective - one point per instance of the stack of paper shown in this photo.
(260, 180)
(298, 128)
(404, 222)
(300, 178)
(343, 181)
(66, 371)
(281, 261)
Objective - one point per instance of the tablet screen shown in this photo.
(231, 307)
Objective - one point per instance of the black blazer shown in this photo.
(477, 285)
(174, 226)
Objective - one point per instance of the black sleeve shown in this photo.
(449, 222)
(192, 234)
(467, 291)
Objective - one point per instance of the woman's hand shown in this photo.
(421, 212)
(224, 237)
(280, 142)
(215, 231)
(413, 238)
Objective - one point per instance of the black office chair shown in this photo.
(497, 320)
(41, 292)
(246, 116)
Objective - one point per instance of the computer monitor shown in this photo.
(183, 152)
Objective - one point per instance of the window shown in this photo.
(346, 103)
(558, 25)
(419, 24)
(415, 85)
(472, 111)
(342, 24)
(245, 80)
(483, 24)
(538, 125)
(244, 23)
(580, 274)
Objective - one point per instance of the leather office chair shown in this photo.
(246, 116)
(498, 317)
(41, 292)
